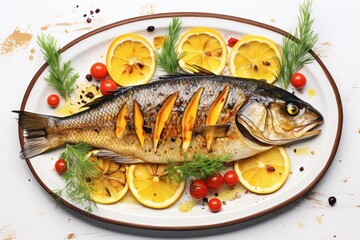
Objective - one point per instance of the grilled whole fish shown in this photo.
(166, 119)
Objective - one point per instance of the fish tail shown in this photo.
(36, 135)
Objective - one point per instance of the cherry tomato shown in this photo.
(106, 86)
(198, 189)
(231, 178)
(214, 204)
(215, 181)
(298, 80)
(53, 100)
(98, 70)
(60, 166)
(232, 41)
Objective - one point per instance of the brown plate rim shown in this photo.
(200, 15)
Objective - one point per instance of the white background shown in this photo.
(27, 211)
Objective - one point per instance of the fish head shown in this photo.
(277, 117)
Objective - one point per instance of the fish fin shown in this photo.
(122, 158)
(219, 131)
(174, 76)
(31, 121)
(36, 141)
(196, 69)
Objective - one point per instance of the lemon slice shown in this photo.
(203, 47)
(151, 187)
(254, 57)
(265, 172)
(111, 185)
(130, 60)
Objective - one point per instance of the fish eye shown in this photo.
(292, 109)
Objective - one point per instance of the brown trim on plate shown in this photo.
(204, 15)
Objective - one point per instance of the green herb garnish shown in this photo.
(61, 75)
(296, 48)
(167, 57)
(200, 167)
(79, 169)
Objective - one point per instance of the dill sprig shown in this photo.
(200, 167)
(61, 75)
(296, 48)
(79, 169)
(167, 57)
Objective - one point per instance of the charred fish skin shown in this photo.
(164, 120)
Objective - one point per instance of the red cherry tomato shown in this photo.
(214, 204)
(231, 178)
(98, 70)
(60, 166)
(215, 181)
(198, 189)
(232, 41)
(106, 86)
(53, 100)
(298, 80)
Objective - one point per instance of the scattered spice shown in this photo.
(270, 169)
(147, 129)
(90, 15)
(332, 201)
(150, 28)
(266, 63)
(208, 53)
(70, 236)
(301, 169)
(90, 95)
(88, 77)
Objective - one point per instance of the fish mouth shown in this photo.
(302, 132)
(309, 129)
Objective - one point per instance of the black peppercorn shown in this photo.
(150, 28)
(88, 77)
(147, 129)
(332, 200)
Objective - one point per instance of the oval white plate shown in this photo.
(320, 150)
